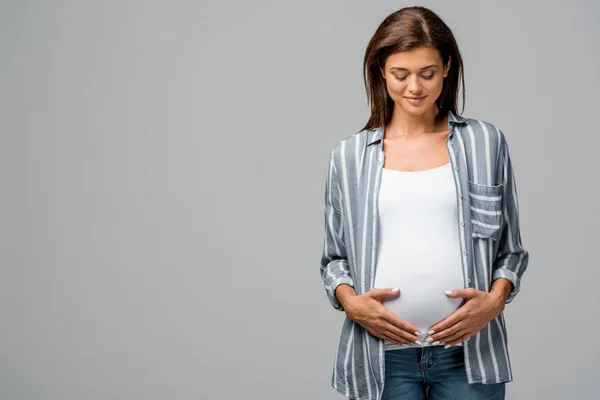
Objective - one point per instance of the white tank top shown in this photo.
(419, 249)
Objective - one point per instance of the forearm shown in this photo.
(343, 292)
(501, 289)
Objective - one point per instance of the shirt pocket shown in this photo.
(486, 210)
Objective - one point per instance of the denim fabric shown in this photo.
(433, 373)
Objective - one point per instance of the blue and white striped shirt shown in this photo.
(489, 235)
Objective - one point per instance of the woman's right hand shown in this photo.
(367, 310)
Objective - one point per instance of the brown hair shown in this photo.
(406, 29)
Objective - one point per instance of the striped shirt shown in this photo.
(490, 240)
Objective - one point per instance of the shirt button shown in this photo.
(451, 144)
(456, 168)
(468, 281)
(460, 195)
(462, 224)
(465, 253)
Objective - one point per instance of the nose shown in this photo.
(414, 85)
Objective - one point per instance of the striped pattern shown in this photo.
(488, 217)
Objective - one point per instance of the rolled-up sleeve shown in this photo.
(512, 258)
(334, 268)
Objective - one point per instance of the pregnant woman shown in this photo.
(422, 246)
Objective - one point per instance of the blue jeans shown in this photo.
(434, 373)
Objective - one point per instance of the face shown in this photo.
(415, 73)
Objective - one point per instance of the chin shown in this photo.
(416, 110)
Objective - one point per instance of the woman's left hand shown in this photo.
(478, 310)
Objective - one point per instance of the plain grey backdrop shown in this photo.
(163, 167)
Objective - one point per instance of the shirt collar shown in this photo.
(452, 119)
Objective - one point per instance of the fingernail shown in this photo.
(395, 289)
(417, 333)
(448, 345)
(435, 343)
(448, 292)
(430, 332)
(417, 342)
(429, 340)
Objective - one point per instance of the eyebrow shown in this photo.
(404, 69)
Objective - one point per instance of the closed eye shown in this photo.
(404, 77)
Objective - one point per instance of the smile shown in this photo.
(415, 100)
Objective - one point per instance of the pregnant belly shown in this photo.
(422, 300)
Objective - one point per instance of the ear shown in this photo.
(447, 67)
(382, 73)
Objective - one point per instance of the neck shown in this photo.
(411, 125)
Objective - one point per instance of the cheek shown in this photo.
(437, 85)
(396, 89)
(432, 88)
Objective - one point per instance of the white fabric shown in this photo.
(418, 249)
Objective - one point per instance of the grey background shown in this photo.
(163, 168)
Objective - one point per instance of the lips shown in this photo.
(415, 100)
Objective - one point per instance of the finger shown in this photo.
(467, 293)
(454, 336)
(446, 334)
(399, 322)
(382, 294)
(461, 339)
(393, 338)
(389, 327)
(449, 321)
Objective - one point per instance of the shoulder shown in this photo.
(478, 129)
(347, 146)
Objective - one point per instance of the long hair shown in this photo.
(406, 29)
